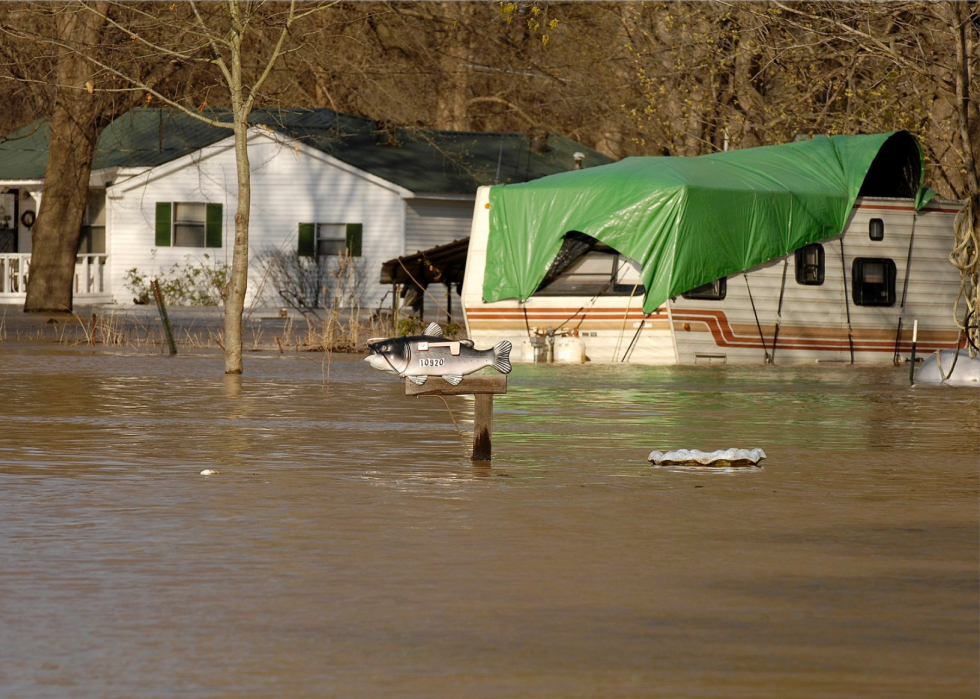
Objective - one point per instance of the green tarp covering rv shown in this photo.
(689, 221)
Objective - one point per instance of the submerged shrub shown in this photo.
(197, 283)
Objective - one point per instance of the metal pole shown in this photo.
(847, 301)
(779, 311)
(164, 317)
(905, 291)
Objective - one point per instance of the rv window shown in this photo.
(876, 229)
(628, 277)
(584, 266)
(810, 265)
(712, 291)
(873, 281)
(590, 274)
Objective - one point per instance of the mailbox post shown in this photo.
(483, 389)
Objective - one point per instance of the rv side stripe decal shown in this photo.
(724, 336)
(716, 322)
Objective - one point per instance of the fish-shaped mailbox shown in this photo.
(430, 354)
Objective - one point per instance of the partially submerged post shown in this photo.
(164, 317)
(483, 389)
(915, 335)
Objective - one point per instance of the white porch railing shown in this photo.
(91, 277)
(13, 274)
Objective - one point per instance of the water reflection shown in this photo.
(348, 546)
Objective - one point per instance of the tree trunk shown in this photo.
(968, 235)
(237, 284)
(75, 128)
(453, 98)
(234, 291)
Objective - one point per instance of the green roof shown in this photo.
(689, 221)
(416, 159)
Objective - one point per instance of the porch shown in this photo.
(91, 278)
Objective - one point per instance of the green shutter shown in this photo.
(213, 233)
(163, 224)
(307, 239)
(354, 239)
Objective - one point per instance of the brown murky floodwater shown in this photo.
(348, 548)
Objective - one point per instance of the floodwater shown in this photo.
(347, 547)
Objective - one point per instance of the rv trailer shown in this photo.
(850, 297)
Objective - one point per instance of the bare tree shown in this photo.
(225, 38)
(739, 74)
(682, 78)
(83, 101)
(931, 52)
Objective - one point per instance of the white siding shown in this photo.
(432, 222)
(289, 186)
(820, 313)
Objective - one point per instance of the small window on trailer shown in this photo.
(712, 291)
(810, 265)
(873, 281)
(876, 229)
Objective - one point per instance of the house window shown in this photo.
(876, 229)
(189, 220)
(189, 224)
(712, 291)
(810, 265)
(330, 239)
(91, 240)
(873, 281)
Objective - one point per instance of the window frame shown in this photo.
(571, 282)
(863, 292)
(802, 266)
(194, 227)
(335, 243)
(308, 239)
(166, 224)
(92, 231)
(715, 290)
(876, 233)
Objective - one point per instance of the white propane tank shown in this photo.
(528, 352)
(535, 349)
(569, 350)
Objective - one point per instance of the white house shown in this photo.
(324, 185)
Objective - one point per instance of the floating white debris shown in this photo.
(209, 472)
(693, 457)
